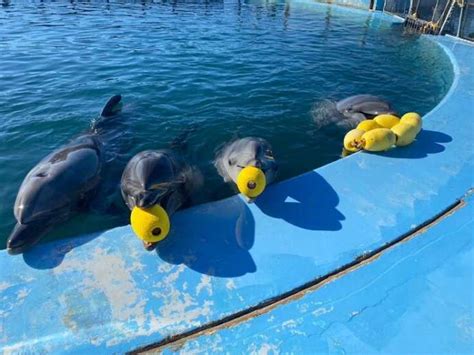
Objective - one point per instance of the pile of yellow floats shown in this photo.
(383, 132)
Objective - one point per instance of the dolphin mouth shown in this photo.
(149, 246)
(24, 236)
(371, 116)
(149, 198)
(249, 199)
(16, 250)
(15, 247)
(146, 200)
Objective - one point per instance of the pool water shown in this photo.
(197, 74)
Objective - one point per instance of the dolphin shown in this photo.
(158, 177)
(245, 152)
(367, 105)
(349, 112)
(60, 185)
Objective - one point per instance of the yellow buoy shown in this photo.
(378, 139)
(345, 153)
(414, 119)
(251, 181)
(386, 121)
(405, 133)
(352, 140)
(150, 224)
(368, 125)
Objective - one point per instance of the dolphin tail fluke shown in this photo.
(112, 106)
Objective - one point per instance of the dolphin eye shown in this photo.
(41, 174)
(232, 161)
(251, 184)
(156, 231)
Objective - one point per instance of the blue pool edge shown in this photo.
(84, 260)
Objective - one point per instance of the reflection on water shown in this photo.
(230, 68)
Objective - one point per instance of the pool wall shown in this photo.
(227, 259)
(409, 299)
(363, 4)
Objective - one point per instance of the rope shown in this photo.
(447, 16)
(434, 10)
(417, 5)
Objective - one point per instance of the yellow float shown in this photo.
(382, 133)
(368, 125)
(150, 224)
(352, 140)
(345, 153)
(378, 140)
(251, 181)
(405, 133)
(414, 119)
(386, 120)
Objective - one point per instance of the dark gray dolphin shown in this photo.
(59, 185)
(367, 105)
(346, 114)
(158, 177)
(249, 151)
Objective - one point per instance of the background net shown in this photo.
(454, 17)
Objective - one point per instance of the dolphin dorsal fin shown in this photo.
(112, 106)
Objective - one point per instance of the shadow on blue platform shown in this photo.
(307, 202)
(50, 255)
(213, 239)
(427, 142)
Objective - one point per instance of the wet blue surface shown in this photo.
(104, 292)
(418, 297)
(204, 72)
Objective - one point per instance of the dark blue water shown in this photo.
(205, 72)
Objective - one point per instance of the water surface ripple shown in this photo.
(224, 68)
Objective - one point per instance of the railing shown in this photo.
(455, 17)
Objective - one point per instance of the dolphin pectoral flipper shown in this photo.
(112, 106)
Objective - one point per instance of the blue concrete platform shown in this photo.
(415, 298)
(104, 293)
